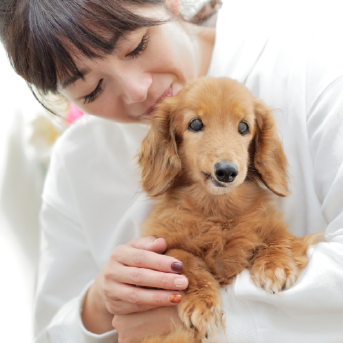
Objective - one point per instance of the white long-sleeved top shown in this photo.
(290, 55)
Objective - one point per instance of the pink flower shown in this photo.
(73, 113)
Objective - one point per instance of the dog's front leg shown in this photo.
(279, 262)
(200, 307)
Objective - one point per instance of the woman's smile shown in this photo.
(167, 93)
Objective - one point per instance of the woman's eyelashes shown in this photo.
(140, 47)
(135, 53)
(92, 96)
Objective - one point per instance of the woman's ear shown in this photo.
(269, 159)
(158, 156)
(174, 6)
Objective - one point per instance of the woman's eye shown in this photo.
(140, 47)
(243, 128)
(196, 125)
(92, 96)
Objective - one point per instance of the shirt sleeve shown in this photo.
(312, 309)
(66, 268)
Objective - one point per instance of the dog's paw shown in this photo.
(202, 311)
(274, 276)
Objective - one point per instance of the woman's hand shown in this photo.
(115, 292)
(135, 326)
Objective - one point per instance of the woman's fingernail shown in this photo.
(157, 239)
(180, 282)
(175, 298)
(177, 266)
(149, 245)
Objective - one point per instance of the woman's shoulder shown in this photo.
(278, 40)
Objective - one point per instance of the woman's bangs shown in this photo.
(59, 30)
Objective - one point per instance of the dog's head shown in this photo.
(214, 133)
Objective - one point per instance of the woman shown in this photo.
(116, 60)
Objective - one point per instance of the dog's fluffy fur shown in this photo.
(218, 228)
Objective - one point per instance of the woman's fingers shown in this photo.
(149, 278)
(133, 269)
(128, 299)
(150, 243)
(119, 307)
(134, 327)
(136, 257)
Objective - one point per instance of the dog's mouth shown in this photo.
(214, 181)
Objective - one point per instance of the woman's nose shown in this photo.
(135, 88)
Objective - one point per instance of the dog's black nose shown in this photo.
(225, 172)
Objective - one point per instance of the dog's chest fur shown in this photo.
(208, 226)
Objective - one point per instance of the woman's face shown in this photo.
(148, 65)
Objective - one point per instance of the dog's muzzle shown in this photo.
(225, 172)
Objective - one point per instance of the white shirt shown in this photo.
(287, 57)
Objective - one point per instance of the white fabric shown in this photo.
(285, 54)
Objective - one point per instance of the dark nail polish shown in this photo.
(177, 267)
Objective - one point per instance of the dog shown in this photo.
(214, 163)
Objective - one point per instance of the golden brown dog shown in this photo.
(213, 160)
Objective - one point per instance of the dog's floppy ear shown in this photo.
(158, 156)
(269, 159)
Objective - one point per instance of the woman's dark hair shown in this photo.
(38, 35)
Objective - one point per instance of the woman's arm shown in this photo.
(312, 309)
(70, 299)
(66, 269)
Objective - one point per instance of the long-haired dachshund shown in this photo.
(213, 161)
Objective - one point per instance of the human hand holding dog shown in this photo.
(134, 327)
(115, 292)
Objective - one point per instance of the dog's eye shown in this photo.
(196, 125)
(243, 128)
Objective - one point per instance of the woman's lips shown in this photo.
(167, 93)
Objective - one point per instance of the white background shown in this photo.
(20, 185)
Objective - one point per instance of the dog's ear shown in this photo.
(269, 158)
(158, 156)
